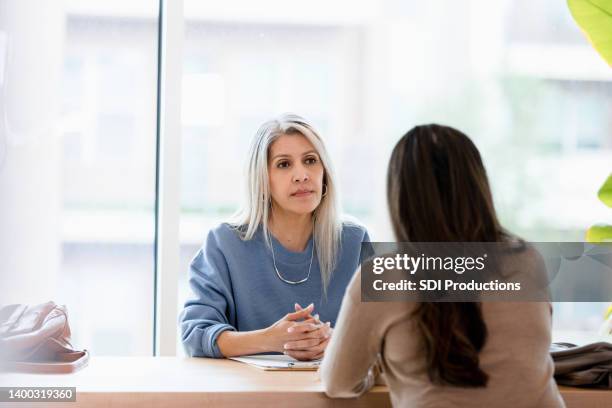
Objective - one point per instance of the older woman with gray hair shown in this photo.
(286, 248)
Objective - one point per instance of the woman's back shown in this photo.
(515, 356)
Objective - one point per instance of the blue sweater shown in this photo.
(235, 286)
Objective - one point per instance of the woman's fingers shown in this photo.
(313, 340)
(309, 317)
(303, 330)
(303, 327)
(302, 344)
(315, 317)
(320, 332)
(309, 329)
(324, 344)
(314, 353)
(328, 329)
(300, 314)
(304, 355)
(319, 356)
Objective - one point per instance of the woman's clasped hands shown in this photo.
(300, 334)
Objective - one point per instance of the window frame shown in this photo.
(167, 189)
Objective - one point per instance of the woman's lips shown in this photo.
(302, 193)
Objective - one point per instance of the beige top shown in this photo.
(515, 356)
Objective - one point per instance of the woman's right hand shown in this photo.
(277, 335)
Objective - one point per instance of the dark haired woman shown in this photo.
(490, 354)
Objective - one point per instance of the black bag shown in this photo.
(583, 366)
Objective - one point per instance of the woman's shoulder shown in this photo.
(224, 234)
(353, 230)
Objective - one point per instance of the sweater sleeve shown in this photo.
(349, 367)
(211, 310)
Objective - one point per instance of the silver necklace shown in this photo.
(290, 282)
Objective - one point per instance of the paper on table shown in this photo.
(279, 362)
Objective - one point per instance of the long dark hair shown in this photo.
(437, 190)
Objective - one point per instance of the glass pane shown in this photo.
(77, 165)
(518, 77)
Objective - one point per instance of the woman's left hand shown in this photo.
(312, 348)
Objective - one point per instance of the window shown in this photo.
(77, 175)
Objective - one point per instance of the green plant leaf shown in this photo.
(595, 19)
(599, 233)
(605, 192)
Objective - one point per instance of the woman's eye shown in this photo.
(311, 160)
(282, 164)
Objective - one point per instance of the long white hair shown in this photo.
(256, 210)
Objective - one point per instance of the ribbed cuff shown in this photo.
(211, 348)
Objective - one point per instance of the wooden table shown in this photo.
(197, 382)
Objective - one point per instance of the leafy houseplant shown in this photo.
(595, 19)
(602, 232)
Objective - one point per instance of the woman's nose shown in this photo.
(300, 176)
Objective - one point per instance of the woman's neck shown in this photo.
(291, 230)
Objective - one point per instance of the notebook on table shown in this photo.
(278, 362)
